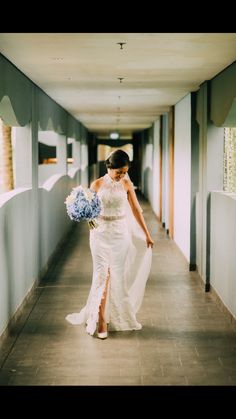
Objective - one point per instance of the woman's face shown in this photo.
(118, 174)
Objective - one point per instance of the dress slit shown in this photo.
(94, 303)
(105, 296)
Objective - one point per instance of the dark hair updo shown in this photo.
(117, 159)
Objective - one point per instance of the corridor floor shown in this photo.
(186, 338)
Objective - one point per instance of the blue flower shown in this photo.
(83, 204)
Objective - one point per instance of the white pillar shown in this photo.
(84, 165)
(35, 234)
(202, 209)
(165, 172)
(76, 154)
(25, 148)
(62, 154)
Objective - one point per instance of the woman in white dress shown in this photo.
(121, 248)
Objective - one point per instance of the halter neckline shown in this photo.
(111, 180)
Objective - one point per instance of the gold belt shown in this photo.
(112, 217)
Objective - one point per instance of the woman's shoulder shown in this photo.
(127, 184)
(96, 184)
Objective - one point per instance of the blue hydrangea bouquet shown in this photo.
(83, 204)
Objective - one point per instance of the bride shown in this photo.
(121, 248)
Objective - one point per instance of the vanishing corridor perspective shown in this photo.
(66, 102)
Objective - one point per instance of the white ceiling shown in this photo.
(80, 71)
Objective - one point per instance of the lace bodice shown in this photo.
(113, 197)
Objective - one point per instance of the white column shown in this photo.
(62, 154)
(165, 172)
(156, 169)
(202, 209)
(76, 154)
(35, 236)
(84, 165)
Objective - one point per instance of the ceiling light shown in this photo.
(114, 135)
(121, 44)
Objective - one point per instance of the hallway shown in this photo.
(186, 338)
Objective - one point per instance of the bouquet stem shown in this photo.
(92, 224)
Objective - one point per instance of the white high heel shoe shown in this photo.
(102, 335)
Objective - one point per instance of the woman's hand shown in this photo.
(149, 241)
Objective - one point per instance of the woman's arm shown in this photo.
(137, 211)
(96, 184)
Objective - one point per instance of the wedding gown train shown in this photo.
(120, 255)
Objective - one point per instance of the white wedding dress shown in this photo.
(119, 249)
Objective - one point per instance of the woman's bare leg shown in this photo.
(102, 325)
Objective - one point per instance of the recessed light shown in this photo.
(121, 44)
(114, 135)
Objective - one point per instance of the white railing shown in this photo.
(32, 223)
